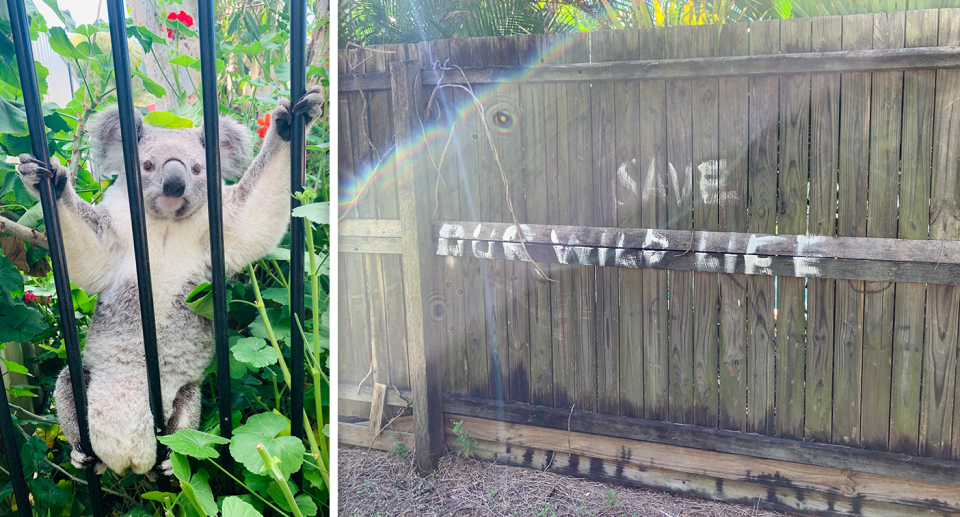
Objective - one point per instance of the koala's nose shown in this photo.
(174, 178)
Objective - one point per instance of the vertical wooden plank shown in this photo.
(534, 176)
(629, 182)
(469, 143)
(491, 209)
(824, 156)
(883, 183)
(388, 208)
(582, 186)
(733, 196)
(915, 174)
(504, 116)
(348, 365)
(940, 353)
(361, 359)
(706, 196)
(680, 212)
(851, 222)
(762, 178)
(383, 272)
(606, 46)
(795, 37)
(564, 323)
(653, 214)
(442, 169)
(419, 270)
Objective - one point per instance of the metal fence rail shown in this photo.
(32, 104)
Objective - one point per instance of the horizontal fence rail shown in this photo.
(928, 58)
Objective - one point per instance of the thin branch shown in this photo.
(28, 234)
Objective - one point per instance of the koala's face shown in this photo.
(172, 161)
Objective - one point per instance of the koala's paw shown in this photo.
(81, 460)
(32, 171)
(310, 106)
(166, 467)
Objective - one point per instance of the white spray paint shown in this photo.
(754, 265)
(652, 185)
(756, 242)
(478, 253)
(730, 263)
(653, 258)
(707, 262)
(476, 232)
(562, 252)
(624, 176)
(654, 237)
(807, 241)
(805, 266)
(451, 231)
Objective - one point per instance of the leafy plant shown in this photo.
(253, 73)
(611, 499)
(463, 440)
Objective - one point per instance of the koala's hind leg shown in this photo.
(186, 415)
(67, 416)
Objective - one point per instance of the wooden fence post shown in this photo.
(419, 265)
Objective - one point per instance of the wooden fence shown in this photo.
(747, 246)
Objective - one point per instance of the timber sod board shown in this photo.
(752, 229)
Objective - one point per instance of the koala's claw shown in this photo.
(32, 171)
(311, 104)
(81, 460)
(166, 467)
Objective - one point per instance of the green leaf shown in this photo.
(201, 486)
(254, 352)
(167, 119)
(181, 466)
(255, 48)
(283, 71)
(266, 428)
(276, 294)
(184, 60)
(152, 87)
(20, 323)
(64, 16)
(15, 367)
(146, 38)
(280, 325)
(319, 213)
(235, 507)
(47, 493)
(158, 496)
(13, 118)
(191, 442)
(88, 30)
(60, 43)
(34, 215)
(10, 279)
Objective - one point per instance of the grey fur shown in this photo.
(97, 240)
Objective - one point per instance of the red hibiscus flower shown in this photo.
(264, 125)
(170, 33)
(29, 297)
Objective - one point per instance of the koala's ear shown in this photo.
(106, 146)
(235, 146)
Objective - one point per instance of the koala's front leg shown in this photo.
(257, 209)
(88, 231)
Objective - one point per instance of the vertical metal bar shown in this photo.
(19, 27)
(131, 162)
(11, 445)
(298, 157)
(211, 129)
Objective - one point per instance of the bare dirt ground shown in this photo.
(379, 484)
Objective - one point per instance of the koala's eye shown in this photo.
(148, 166)
(196, 169)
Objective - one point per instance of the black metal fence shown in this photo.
(68, 331)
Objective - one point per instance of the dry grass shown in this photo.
(378, 484)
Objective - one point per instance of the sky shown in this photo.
(83, 11)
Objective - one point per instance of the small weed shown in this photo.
(580, 510)
(547, 511)
(400, 448)
(466, 443)
(611, 499)
(491, 495)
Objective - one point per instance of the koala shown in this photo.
(98, 242)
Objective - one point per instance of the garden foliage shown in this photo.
(253, 72)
